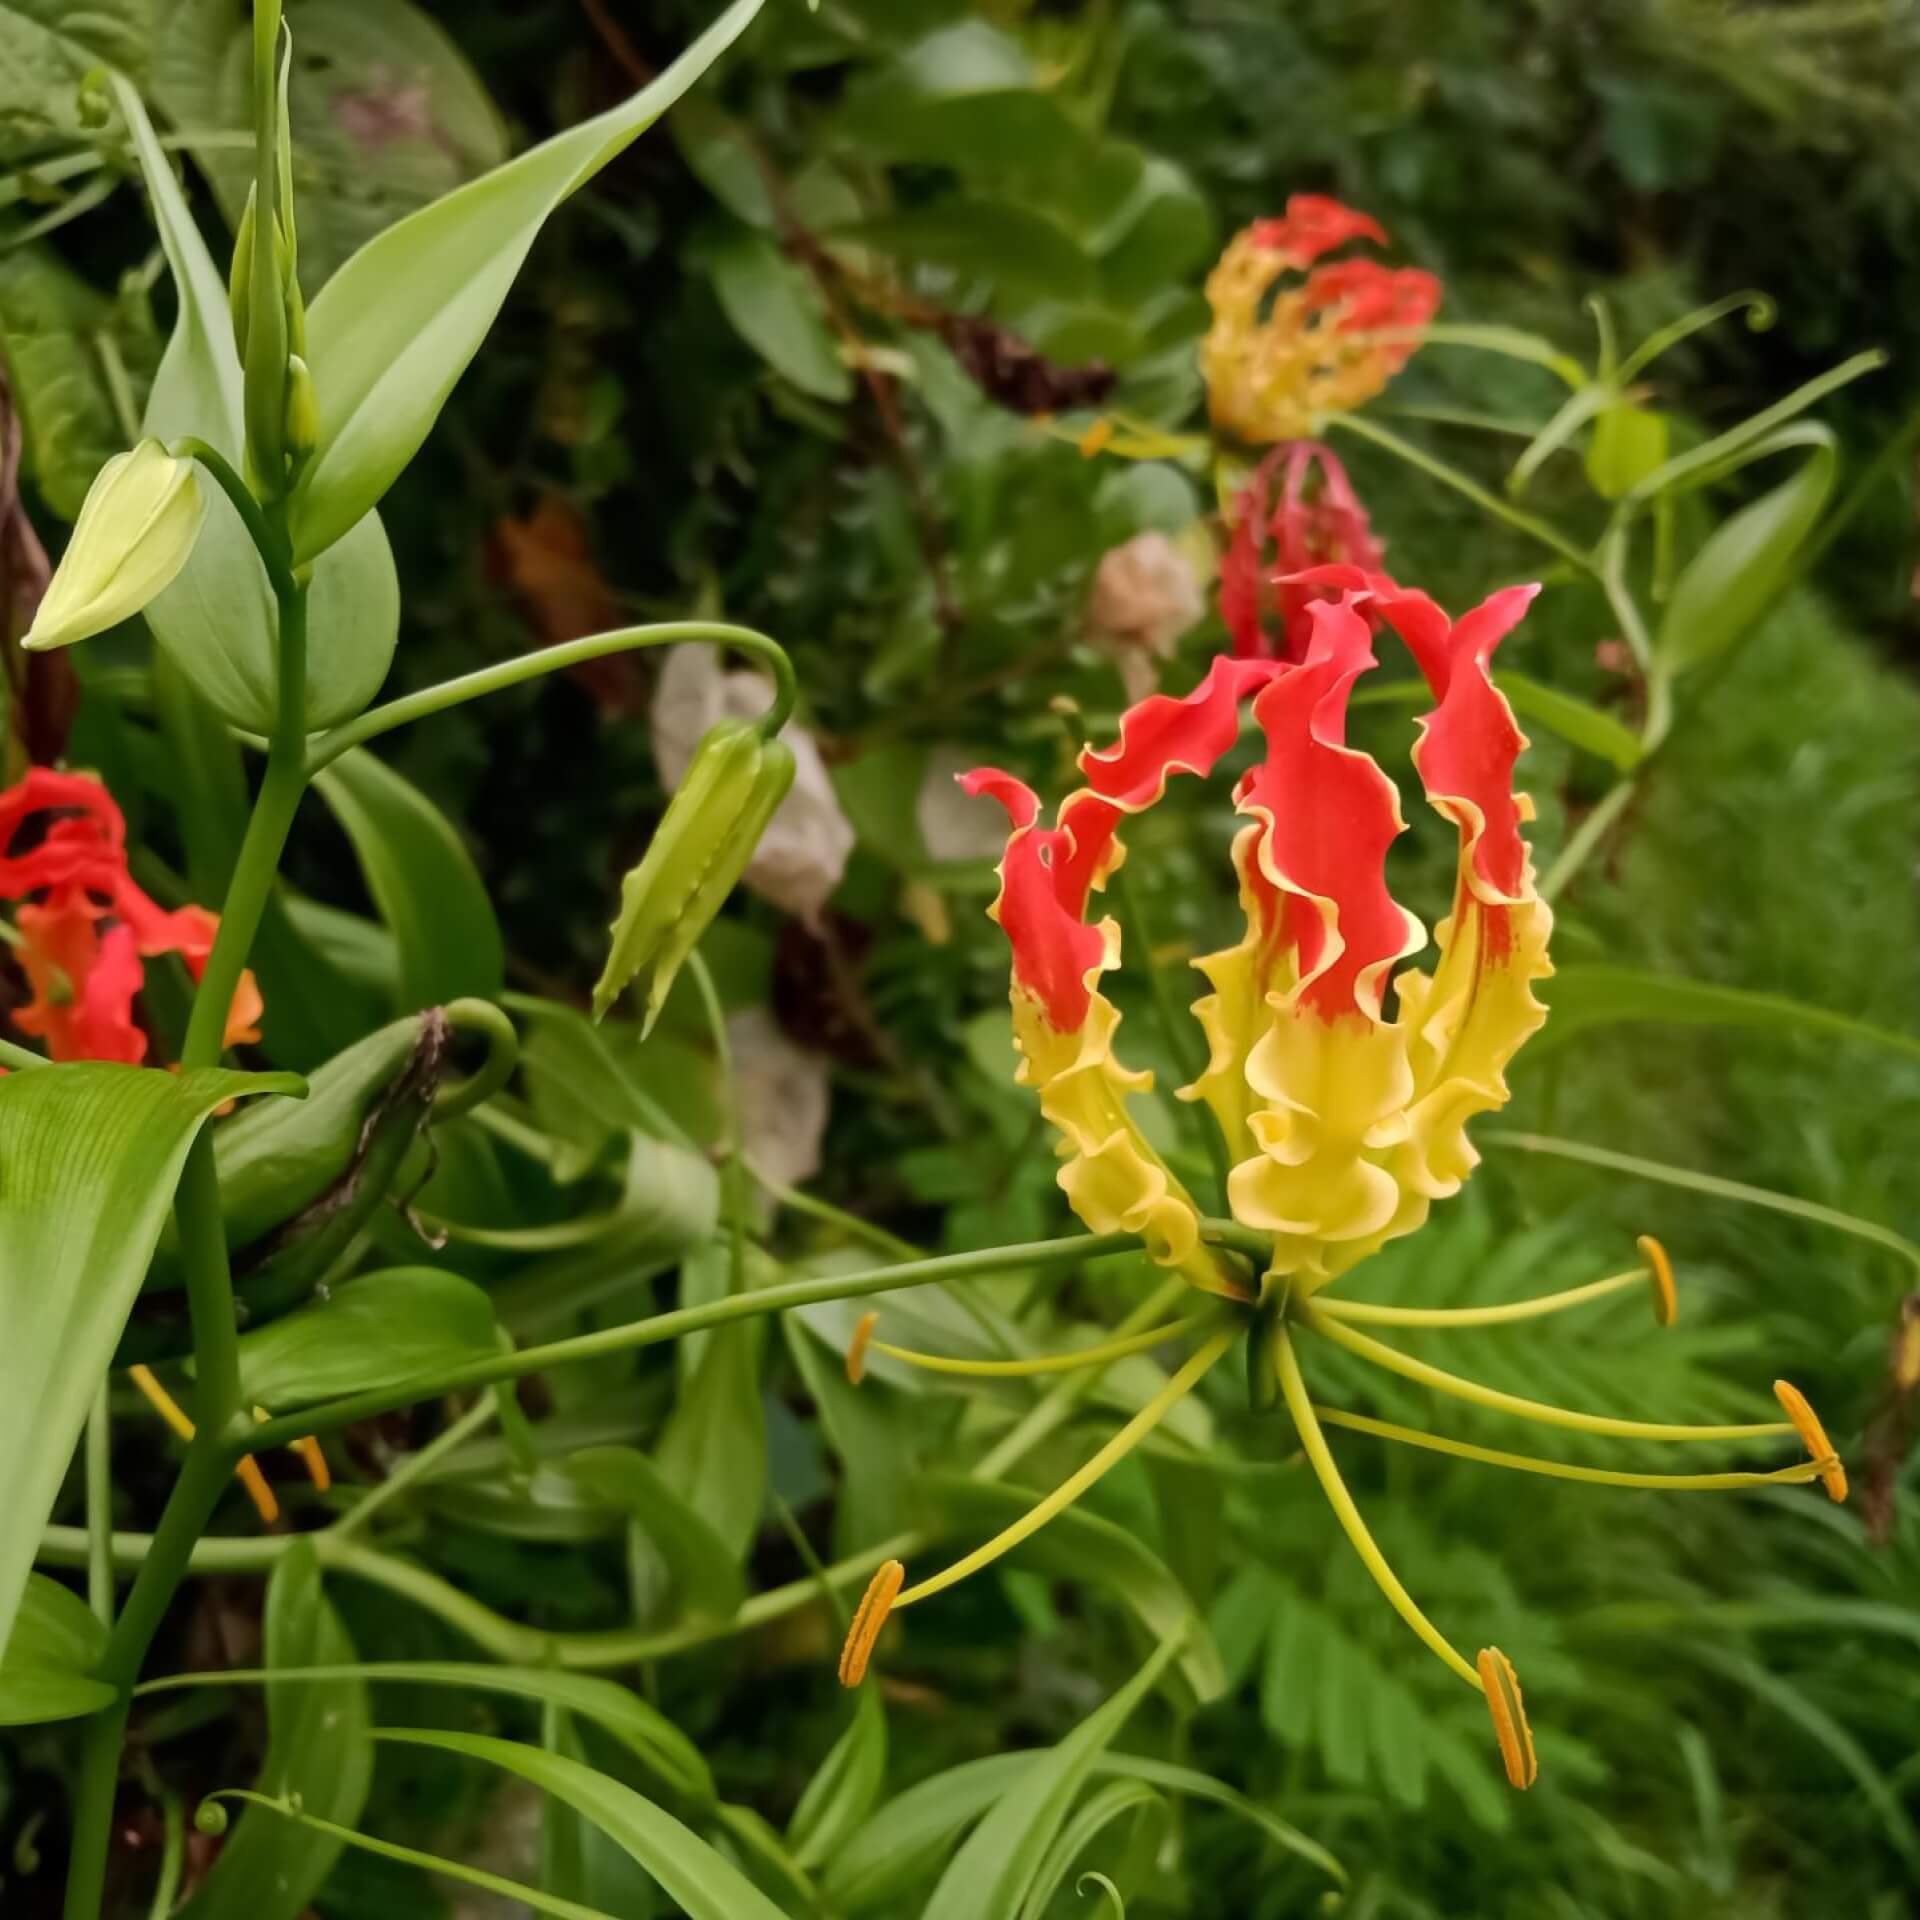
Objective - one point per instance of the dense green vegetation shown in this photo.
(836, 353)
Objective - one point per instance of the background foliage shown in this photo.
(673, 411)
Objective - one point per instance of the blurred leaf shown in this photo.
(706, 1576)
(844, 1787)
(714, 1450)
(1589, 728)
(772, 303)
(318, 1751)
(47, 1666)
(687, 1869)
(92, 1154)
(878, 1456)
(381, 1330)
(909, 1836)
(394, 329)
(1078, 1545)
(219, 619)
(1582, 996)
(55, 334)
(422, 879)
(386, 113)
(1013, 248)
(1166, 230)
(996, 1870)
(1109, 1803)
(1738, 574)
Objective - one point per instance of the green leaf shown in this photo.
(1016, 250)
(219, 619)
(1200, 1786)
(687, 1869)
(318, 1752)
(706, 1575)
(394, 329)
(995, 1872)
(877, 1453)
(1079, 1545)
(91, 1154)
(773, 305)
(845, 1786)
(902, 1844)
(40, 76)
(1164, 233)
(386, 113)
(423, 881)
(536, 1899)
(714, 1450)
(1109, 1803)
(46, 1670)
(55, 331)
(1581, 997)
(381, 1330)
(643, 1730)
(1590, 728)
(117, 30)
(1738, 574)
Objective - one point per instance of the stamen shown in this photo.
(1068, 1362)
(1502, 1687)
(169, 1410)
(1797, 1475)
(875, 1604)
(1806, 1423)
(1320, 1457)
(857, 1348)
(308, 1448)
(1070, 1489)
(1369, 1313)
(1550, 1416)
(1666, 1297)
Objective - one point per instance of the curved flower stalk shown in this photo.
(1294, 333)
(1342, 1084)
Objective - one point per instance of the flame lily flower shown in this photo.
(1344, 1117)
(1295, 334)
(86, 926)
(1265, 584)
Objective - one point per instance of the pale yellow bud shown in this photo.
(136, 528)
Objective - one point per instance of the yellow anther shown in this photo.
(1906, 1346)
(875, 1604)
(1097, 437)
(1666, 1297)
(169, 1410)
(1806, 1423)
(308, 1449)
(1502, 1687)
(316, 1463)
(857, 1349)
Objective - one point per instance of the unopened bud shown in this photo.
(303, 412)
(702, 847)
(240, 278)
(136, 528)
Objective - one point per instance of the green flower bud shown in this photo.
(240, 277)
(303, 412)
(136, 528)
(702, 847)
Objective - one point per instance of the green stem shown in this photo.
(458, 1432)
(12, 1056)
(878, 1238)
(678, 1323)
(1437, 469)
(100, 1586)
(275, 553)
(511, 673)
(214, 1449)
(503, 1056)
(1588, 835)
